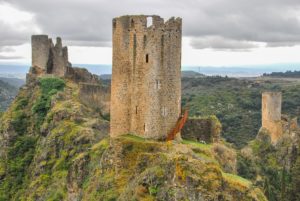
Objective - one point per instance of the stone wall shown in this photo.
(81, 75)
(95, 96)
(207, 129)
(289, 124)
(146, 85)
(271, 114)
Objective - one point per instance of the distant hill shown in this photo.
(184, 74)
(16, 82)
(287, 74)
(19, 71)
(191, 74)
(105, 77)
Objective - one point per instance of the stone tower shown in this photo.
(271, 114)
(146, 76)
(49, 58)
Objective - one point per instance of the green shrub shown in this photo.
(19, 122)
(48, 87)
(19, 157)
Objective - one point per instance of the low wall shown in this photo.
(206, 129)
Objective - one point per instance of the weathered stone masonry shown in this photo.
(271, 114)
(49, 58)
(146, 85)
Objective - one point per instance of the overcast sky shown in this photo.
(215, 32)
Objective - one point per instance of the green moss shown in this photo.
(197, 144)
(66, 131)
(19, 121)
(133, 138)
(236, 180)
(153, 190)
(100, 147)
(19, 157)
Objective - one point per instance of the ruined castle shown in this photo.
(52, 60)
(271, 114)
(273, 121)
(146, 76)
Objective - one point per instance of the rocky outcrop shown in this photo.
(133, 168)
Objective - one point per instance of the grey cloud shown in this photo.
(6, 49)
(4, 57)
(216, 24)
(220, 43)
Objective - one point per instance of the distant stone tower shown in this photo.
(271, 114)
(49, 58)
(146, 76)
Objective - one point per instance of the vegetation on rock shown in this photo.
(55, 148)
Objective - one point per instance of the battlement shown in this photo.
(146, 84)
(271, 114)
(143, 22)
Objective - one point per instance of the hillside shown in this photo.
(237, 102)
(287, 74)
(55, 148)
(16, 82)
(7, 95)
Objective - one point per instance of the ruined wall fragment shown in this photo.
(207, 129)
(271, 114)
(48, 58)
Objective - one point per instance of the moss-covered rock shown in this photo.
(55, 148)
(132, 168)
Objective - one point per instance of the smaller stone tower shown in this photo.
(271, 114)
(47, 57)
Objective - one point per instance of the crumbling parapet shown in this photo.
(271, 114)
(146, 85)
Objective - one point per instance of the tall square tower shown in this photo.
(146, 76)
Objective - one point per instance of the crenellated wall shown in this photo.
(146, 85)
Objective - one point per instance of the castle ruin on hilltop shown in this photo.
(146, 76)
(271, 114)
(52, 60)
